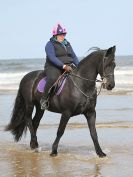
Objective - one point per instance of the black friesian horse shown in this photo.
(78, 97)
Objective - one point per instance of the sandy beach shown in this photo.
(77, 157)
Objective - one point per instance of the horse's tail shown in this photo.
(17, 124)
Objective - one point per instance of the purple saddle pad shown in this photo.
(42, 83)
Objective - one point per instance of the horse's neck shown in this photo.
(88, 68)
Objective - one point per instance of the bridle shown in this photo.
(104, 73)
(103, 80)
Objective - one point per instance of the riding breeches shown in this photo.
(52, 74)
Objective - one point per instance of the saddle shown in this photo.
(57, 87)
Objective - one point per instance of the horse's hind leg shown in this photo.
(91, 117)
(36, 119)
(28, 119)
(63, 122)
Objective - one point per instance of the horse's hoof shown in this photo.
(101, 154)
(33, 145)
(53, 154)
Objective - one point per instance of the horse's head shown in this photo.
(107, 68)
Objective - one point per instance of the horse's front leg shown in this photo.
(91, 118)
(63, 122)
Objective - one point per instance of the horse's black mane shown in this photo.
(97, 50)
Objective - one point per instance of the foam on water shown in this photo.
(10, 81)
(12, 71)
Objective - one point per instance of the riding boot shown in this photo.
(44, 102)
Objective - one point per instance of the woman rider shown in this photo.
(59, 56)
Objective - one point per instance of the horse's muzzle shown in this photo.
(108, 85)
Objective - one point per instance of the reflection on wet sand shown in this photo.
(74, 159)
(20, 162)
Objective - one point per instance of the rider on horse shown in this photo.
(59, 57)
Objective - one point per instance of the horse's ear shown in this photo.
(111, 50)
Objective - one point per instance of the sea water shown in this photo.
(13, 70)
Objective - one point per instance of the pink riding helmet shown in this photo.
(58, 29)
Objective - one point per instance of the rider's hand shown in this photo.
(67, 68)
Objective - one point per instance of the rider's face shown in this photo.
(61, 37)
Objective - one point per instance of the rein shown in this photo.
(87, 96)
(97, 80)
(103, 81)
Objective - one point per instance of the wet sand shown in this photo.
(76, 154)
(77, 157)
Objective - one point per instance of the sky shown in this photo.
(26, 26)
